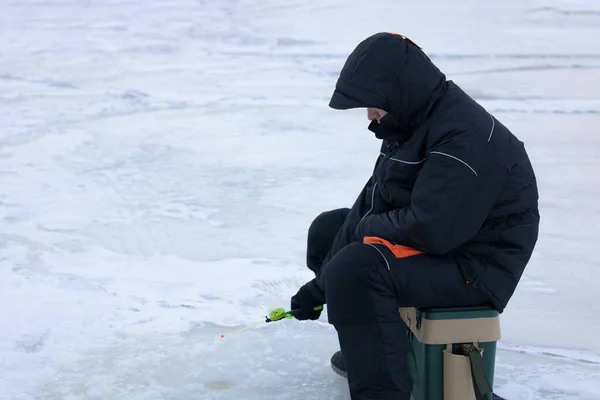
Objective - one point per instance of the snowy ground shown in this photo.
(161, 160)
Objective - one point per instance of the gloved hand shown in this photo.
(303, 304)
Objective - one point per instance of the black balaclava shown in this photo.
(389, 127)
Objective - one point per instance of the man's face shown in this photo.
(375, 113)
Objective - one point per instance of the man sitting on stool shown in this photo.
(448, 218)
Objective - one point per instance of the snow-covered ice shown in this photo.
(160, 163)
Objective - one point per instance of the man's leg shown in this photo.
(321, 234)
(364, 285)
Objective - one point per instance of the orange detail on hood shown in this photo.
(405, 38)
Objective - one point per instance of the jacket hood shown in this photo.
(389, 72)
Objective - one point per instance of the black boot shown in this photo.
(338, 365)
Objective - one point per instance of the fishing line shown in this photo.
(278, 314)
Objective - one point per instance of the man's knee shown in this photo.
(321, 234)
(326, 225)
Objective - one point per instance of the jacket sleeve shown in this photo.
(452, 196)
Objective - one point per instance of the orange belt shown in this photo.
(397, 249)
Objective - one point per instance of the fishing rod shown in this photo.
(278, 314)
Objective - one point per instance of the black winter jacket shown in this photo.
(450, 180)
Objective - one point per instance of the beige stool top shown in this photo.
(445, 331)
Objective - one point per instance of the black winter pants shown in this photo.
(364, 285)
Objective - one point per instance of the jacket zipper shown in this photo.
(385, 156)
(370, 209)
